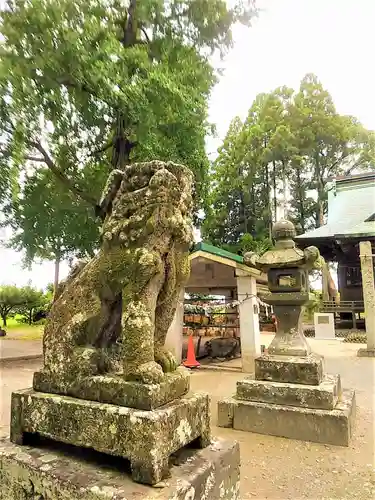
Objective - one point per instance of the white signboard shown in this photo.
(324, 324)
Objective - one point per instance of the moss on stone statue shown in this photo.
(140, 268)
(43, 473)
(146, 438)
(114, 389)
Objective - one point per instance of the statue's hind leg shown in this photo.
(176, 273)
(138, 325)
(163, 318)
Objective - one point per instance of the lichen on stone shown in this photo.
(116, 309)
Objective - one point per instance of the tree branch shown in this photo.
(63, 80)
(62, 177)
(145, 34)
(350, 169)
(103, 149)
(130, 28)
(338, 161)
(35, 158)
(5, 154)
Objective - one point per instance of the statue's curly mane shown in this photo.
(151, 197)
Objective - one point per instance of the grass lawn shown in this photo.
(22, 331)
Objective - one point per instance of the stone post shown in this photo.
(173, 341)
(367, 268)
(249, 320)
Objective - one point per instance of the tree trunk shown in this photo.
(274, 191)
(30, 316)
(253, 203)
(56, 278)
(242, 211)
(121, 145)
(4, 318)
(285, 185)
(268, 201)
(300, 201)
(319, 213)
(242, 214)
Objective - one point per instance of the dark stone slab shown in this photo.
(115, 390)
(145, 438)
(366, 353)
(306, 370)
(323, 396)
(306, 424)
(41, 472)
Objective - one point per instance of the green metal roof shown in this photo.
(205, 247)
(350, 207)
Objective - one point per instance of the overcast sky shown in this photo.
(332, 38)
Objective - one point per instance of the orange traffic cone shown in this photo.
(190, 361)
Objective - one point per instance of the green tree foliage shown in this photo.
(25, 300)
(32, 301)
(329, 144)
(225, 211)
(285, 153)
(86, 87)
(56, 227)
(10, 298)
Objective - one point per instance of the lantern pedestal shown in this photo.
(291, 396)
(311, 408)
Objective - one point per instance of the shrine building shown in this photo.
(351, 219)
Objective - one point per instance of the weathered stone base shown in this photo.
(290, 369)
(322, 397)
(369, 353)
(319, 426)
(115, 390)
(145, 438)
(43, 473)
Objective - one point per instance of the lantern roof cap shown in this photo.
(285, 253)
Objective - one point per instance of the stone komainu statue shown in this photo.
(120, 305)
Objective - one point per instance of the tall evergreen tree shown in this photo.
(288, 149)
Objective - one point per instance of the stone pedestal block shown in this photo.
(290, 369)
(146, 438)
(369, 353)
(42, 472)
(324, 396)
(306, 424)
(118, 391)
(291, 397)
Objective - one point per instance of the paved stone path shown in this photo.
(276, 468)
(10, 349)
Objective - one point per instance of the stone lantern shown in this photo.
(290, 395)
(287, 269)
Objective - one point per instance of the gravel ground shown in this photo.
(277, 468)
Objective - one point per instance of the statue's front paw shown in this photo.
(165, 359)
(147, 373)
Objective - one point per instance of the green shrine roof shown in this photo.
(205, 247)
(351, 210)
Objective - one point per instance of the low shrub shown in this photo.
(309, 332)
(356, 338)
